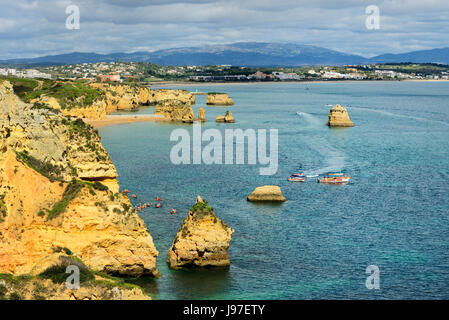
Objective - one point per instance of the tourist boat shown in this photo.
(297, 177)
(158, 205)
(173, 211)
(335, 178)
(126, 191)
(134, 196)
(158, 199)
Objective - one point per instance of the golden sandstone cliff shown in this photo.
(111, 97)
(202, 241)
(339, 117)
(219, 99)
(58, 189)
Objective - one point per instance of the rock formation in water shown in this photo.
(155, 97)
(339, 117)
(175, 110)
(228, 118)
(201, 115)
(58, 188)
(267, 193)
(202, 241)
(219, 99)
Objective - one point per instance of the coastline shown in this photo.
(123, 119)
(184, 83)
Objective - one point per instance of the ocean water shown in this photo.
(318, 244)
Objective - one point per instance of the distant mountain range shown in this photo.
(250, 54)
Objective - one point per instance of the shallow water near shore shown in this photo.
(317, 245)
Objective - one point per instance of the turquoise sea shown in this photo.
(318, 244)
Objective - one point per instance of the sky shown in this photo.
(31, 28)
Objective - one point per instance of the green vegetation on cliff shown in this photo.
(69, 94)
(48, 170)
(70, 192)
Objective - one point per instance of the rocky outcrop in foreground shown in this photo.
(228, 118)
(58, 188)
(339, 117)
(202, 241)
(50, 284)
(267, 193)
(219, 99)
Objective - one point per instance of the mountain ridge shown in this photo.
(251, 54)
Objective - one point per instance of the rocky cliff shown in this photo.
(339, 117)
(50, 283)
(94, 100)
(58, 188)
(202, 241)
(175, 110)
(155, 97)
(219, 99)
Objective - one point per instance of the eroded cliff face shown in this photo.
(110, 97)
(119, 96)
(155, 97)
(175, 110)
(339, 117)
(58, 188)
(202, 241)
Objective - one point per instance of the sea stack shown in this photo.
(201, 115)
(218, 99)
(339, 117)
(228, 118)
(175, 110)
(202, 241)
(267, 194)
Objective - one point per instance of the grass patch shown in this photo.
(52, 172)
(99, 186)
(70, 192)
(57, 273)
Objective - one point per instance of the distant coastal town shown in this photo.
(149, 73)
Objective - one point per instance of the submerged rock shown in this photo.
(202, 241)
(267, 193)
(339, 117)
(219, 99)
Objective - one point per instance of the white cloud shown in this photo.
(32, 28)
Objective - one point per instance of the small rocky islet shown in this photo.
(202, 241)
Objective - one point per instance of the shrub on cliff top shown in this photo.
(57, 273)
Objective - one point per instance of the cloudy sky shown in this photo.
(30, 28)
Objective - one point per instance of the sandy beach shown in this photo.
(123, 119)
